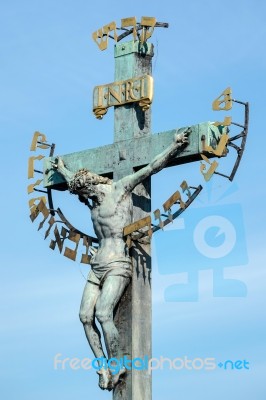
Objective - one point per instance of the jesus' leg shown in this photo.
(111, 293)
(87, 317)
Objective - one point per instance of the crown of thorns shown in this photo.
(84, 177)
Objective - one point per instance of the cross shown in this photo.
(134, 147)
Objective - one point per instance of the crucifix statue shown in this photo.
(114, 182)
(111, 269)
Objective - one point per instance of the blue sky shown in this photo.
(49, 67)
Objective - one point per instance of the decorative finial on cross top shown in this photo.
(114, 182)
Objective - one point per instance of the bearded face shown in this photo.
(85, 183)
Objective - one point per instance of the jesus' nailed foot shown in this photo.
(108, 380)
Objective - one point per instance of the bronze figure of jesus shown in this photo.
(111, 270)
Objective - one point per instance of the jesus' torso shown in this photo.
(109, 216)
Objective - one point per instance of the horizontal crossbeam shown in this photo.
(134, 153)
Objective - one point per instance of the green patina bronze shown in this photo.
(134, 149)
(134, 152)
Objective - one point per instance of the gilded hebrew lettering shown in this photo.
(224, 101)
(175, 198)
(226, 122)
(148, 24)
(130, 22)
(59, 238)
(185, 188)
(32, 186)
(70, 253)
(85, 257)
(39, 140)
(136, 226)
(129, 26)
(31, 165)
(221, 148)
(114, 183)
(213, 166)
(50, 223)
(40, 208)
(101, 35)
(157, 215)
(32, 204)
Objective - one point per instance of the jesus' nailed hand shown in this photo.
(111, 269)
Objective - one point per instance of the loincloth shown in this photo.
(99, 272)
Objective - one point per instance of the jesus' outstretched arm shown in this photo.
(159, 162)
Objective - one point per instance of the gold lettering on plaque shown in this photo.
(129, 91)
(138, 89)
(117, 95)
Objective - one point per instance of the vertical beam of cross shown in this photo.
(133, 316)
